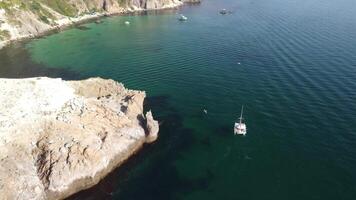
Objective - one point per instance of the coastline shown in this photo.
(78, 182)
(71, 21)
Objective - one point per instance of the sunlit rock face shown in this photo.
(59, 137)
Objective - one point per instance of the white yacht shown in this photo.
(223, 11)
(182, 18)
(240, 127)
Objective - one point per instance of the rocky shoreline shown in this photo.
(70, 22)
(60, 137)
(33, 27)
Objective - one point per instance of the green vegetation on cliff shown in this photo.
(61, 6)
(8, 4)
(11, 6)
(40, 11)
(4, 35)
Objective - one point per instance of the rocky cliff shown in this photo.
(24, 18)
(59, 137)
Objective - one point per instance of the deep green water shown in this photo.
(296, 78)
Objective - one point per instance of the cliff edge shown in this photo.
(59, 137)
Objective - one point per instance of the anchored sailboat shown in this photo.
(240, 127)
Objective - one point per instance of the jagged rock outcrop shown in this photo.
(59, 137)
(23, 18)
(152, 127)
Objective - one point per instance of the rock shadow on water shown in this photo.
(224, 131)
(159, 103)
(206, 142)
(151, 12)
(82, 28)
(16, 62)
(152, 174)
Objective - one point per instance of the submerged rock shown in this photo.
(59, 137)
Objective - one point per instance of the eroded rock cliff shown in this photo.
(23, 18)
(59, 137)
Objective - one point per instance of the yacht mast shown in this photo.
(242, 110)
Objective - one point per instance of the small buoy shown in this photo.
(127, 22)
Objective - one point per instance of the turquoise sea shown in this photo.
(291, 63)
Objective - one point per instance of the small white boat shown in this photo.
(223, 12)
(182, 18)
(127, 22)
(240, 127)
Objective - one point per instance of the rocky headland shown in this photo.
(59, 137)
(25, 19)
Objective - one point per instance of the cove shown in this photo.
(295, 78)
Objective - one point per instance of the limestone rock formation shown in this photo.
(152, 127)
(59, 137)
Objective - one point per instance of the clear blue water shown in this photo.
(292, 63)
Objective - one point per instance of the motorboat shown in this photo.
(223, 12)
(182, 18)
